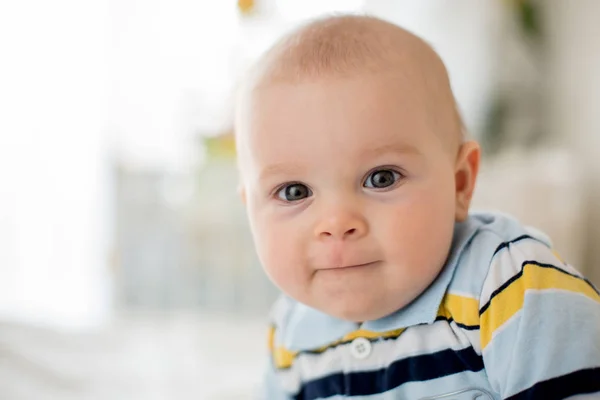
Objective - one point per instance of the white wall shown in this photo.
(574, 102)
(458, 30)
(53, 169)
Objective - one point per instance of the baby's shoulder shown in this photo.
(498, 248)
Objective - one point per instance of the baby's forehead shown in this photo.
(365, 109)
(351, 47)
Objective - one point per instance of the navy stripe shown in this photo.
(412, 369)
(463, 326)
(517, 276)
(584, 381)
(505, 244)
(500, 289)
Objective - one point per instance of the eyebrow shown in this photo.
(397, 148)
(279, 168)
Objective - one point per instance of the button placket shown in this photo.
(360, 348)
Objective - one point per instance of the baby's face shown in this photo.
(350, 193)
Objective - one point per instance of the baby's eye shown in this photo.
(294, 192)
(382, 178)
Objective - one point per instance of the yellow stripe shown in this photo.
(284, 358)
(371, 335)
(508, 302)
(271, 339)
(463, 310)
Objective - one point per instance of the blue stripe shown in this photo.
(412, 369)
(547, 318)
(584, 381)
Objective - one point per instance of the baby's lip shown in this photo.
(352, 265)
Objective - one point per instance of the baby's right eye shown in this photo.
(294, 192)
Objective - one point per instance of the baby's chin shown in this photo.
(359, 307)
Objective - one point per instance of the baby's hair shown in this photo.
(348, 45)
(336, 45)
(333, 45)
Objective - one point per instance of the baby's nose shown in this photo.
(343, 226)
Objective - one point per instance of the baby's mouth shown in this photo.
(351, 266)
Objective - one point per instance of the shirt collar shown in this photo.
(308, 328)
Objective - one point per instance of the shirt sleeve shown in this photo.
(278, 369)
(539, 325)
(271, 387)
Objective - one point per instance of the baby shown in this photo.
(357, 180)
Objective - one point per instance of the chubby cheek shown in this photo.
(280, 250)
(419, 232)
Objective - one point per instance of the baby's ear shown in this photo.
(467, 166)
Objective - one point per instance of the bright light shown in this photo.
(297, 10)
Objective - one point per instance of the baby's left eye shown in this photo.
(382, 178)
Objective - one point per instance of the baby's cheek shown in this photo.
(281, 256)
(419, 232)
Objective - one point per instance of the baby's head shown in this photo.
(353, 165)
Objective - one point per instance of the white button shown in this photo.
(360, 348)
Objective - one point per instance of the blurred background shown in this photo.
(126, 263)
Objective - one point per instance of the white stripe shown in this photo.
(462, 294)
(508, 262)
(415, 341)
(474, 337)
(289, 380)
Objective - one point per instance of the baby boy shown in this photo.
(357, 179)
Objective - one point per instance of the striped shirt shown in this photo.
(505, 319)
